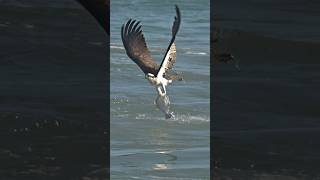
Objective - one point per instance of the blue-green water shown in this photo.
(143, 144)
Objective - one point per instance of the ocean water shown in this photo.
(143, 144)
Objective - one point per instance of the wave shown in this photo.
(196, 53)
(116, 47)
(190, 118)
(119, 100)
(180, 118)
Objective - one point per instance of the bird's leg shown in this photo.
(164, 89)
(161, 90)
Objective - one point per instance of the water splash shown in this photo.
(179, 118)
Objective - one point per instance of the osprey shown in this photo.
(158, 75)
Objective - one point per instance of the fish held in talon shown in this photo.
(159, 76)
(163, 103)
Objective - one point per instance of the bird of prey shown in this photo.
(158, 75)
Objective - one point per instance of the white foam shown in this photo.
(196, 53)
(116, 47)
(180, 118)
(190, 118)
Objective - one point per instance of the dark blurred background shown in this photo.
(265, 117)
(53, 91)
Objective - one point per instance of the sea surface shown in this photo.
(143, 144)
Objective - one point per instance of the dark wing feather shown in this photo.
(136, 46)
(176, 23)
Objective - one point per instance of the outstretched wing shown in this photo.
(136, 46)
(169, 74)
(170, 56)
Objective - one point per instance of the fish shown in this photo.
(163, 103)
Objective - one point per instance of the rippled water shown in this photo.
(143, 144)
